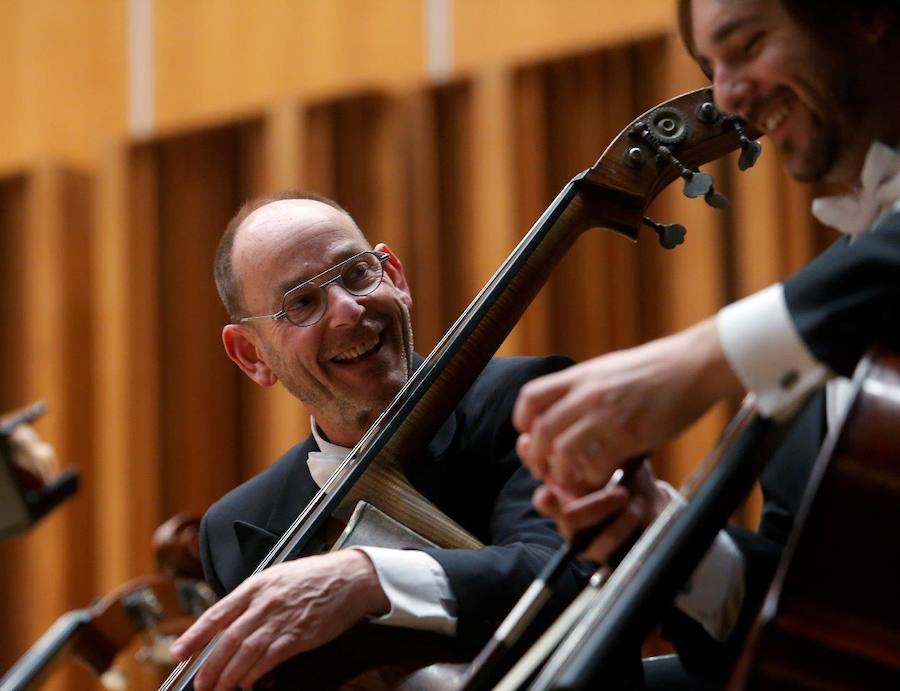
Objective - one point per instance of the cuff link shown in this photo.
(789, 379)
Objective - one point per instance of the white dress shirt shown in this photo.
(414, 583)
(420, 595)
(757, 333)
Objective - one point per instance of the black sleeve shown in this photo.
(209, 571)
(849, 297)
(488, 582)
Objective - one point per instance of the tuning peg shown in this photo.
(670, 235)
(716, 200)
(750, 150)
(696, 184)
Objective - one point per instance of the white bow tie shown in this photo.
(322, 465)
(879, 190)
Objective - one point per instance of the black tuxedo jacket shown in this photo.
(843, 302)
(470, 470)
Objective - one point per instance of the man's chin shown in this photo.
(371, 393)
(809, 165)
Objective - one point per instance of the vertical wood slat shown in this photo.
(18, 623)
(624, 288)
(126, 334)
(583, 289)
(759, 242)
(424, 264)
(391, 196)
(456, 160)
(493, 231)
(24, 616)
(45, 235)
(52, 547)
(21, 621)
(532, 163)
(198, 185)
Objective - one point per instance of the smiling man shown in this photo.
(314, 306)
(346, 374)
(819, 78)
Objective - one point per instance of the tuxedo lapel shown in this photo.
(291, 492)
(254, 542)
(293, 489)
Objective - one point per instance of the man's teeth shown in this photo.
(775, 119)
(356, 351)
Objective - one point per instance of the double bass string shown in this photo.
(491, 663)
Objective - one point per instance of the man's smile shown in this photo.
(774, 111)
(369, 345)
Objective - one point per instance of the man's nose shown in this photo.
(732, 91)
(342, 307)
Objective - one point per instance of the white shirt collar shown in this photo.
(324, 445)
(324, 462)
(876, 196)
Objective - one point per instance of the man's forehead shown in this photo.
(723, 12)
(712, 22)
(289, 240)
(293, 217)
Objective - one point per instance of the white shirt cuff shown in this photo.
(417, 589)
(765, 350)
(714, 593)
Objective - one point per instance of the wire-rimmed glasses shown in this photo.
(305, 304)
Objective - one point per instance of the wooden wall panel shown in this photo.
(20, 621)
(425, 268)
(504, 31)
(490, 234)
(12, 222)
(533, 154)
(589, 295)
(200, 181)
(455, 163)
(63, 77)
(66, 72)
(216, 59)
(48, 356)
(126, 416)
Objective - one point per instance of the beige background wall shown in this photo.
(78, 75)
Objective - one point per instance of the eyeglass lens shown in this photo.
(305, 304)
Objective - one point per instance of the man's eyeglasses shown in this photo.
(305, 304)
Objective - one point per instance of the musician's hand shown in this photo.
(580, 424)
(33, 458)
(637, 506)
(282, 611)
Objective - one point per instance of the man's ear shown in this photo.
(394, 269)
(241, 348)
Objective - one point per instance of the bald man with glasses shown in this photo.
(312, 305)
